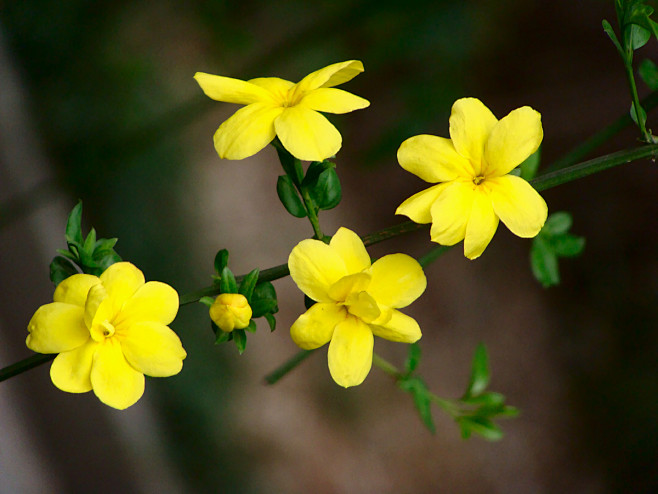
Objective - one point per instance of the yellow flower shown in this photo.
(356, 300)
(231, 311)
(276, 107)
(109, 332)
(475, 188)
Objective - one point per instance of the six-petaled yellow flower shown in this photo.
(109, 331)
(276, 107)
(475, 188)
(231, 311)
(355, 300)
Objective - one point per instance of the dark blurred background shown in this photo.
(97, 102)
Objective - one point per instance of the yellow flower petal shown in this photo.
(331, 100)
(121, 280)
(450, 213)
(57, 327)
(114, 381)
(349, 246)
(306, 134)
(248, 131)
(153, 349)
(397, 280)
(470, 125)
(314, 267)
(518, 205)
(350, 352)
(153, 301)
(512, 140)
(74, 289)
(363, 306)
(315, 327)
(98, 311)
(400, 327)
(231, 90)
(352, 283)
(276, 86)
(70, 370)
(481, 227)
(418, 207)
(433, 159)
(330, 76)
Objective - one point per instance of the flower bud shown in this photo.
(230, 311)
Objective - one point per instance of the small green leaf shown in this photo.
(530, 166)
(221, 261)
(639, 36)
(264, 290)
(323, 187)
(413, 358)
(649, 73)
(60, 269)
(421, 397)
(613, 37)
(240, 338)
(543, 262)
(568, 245)
(481, 426)
(289, 197)
(479, 372)
(252, 326)
(90, 242)
(221, 336)
(643, 114)
(488, 399)
(227, 284)
(74, 225)
(291, 165)
(558, 223)
(207, 301)
(271, 320)
(263, 306)
(248, 284)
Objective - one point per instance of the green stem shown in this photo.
(312, 211)
(25, 365)
(641, 120)
(287, 366)
(433, 255)
(386, 366)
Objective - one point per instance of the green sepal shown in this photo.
(221, 261)
(227, 283)
(252, 326)
(323, 185)
(221, 336)
(421, 397)
(60, 269)
(271, 320)
(207, 301)
(248, 284)
(530, 165)
(413, 358)
(240, 338)
(74, 225)
(480, 375)
(289, 197)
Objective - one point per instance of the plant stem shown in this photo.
(639, 115)
(287, 366)
(25, 365)
(386, 366)
(312, 211)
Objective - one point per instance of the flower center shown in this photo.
(108, 329)
(479, 179)
(292, 98)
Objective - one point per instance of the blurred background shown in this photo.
(97, 102)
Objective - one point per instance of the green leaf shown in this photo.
(252, 326)
(413, 358)
(221, 336)
(60, 269)
(289, 197)
(271, 320)
(649, 73)
(422, 401)
(248, 284)
(323, 185)
(558, 223)
(643, 114)
(90, 242)
(479, 372)
(263, 306)
(544, 262)
(639, 36)
(568, 245)
(530, 165)
(613, 37)
(74, 225)
(227, 284)
(240, 338)
(221, 261)
(207, 301)
(481, 426)
(488, 399)
(291, 165)
(264, 290)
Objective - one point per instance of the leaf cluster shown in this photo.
(552, 242)
(83, 254)
(474, 411)
(261, 297)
